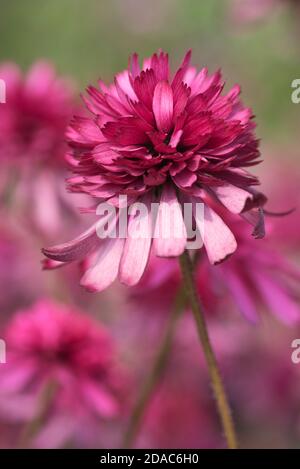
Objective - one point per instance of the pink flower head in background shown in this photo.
(158, 137)
(18, 257)
(54, 345)
(33, 121)
(34, 117)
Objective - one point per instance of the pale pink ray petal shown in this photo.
(218, 240)
(170, 233)
(234, 198)
(137, 248)
(105, 269)
(75, 249)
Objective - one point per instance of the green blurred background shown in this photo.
(87, 39)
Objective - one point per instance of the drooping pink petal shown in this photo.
(75, 249)
(170, 233)
(105, 269)
(137, 246)
(234, 198)
(218, 240)
(163, 105)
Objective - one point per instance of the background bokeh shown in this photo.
(89, 39)
(92, 39)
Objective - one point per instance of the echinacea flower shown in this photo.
(33, 122)
(49, 345)
(160, 138)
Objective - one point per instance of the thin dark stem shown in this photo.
(214, 372)
(155, 374)
(45, 401)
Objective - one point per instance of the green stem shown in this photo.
(155, 374)
(45, 401)
(214, 372)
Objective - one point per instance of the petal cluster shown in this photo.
(149, 128)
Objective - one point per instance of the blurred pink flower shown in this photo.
(247, 12)
(55, 345)
(284, 232)
(250, 11)
(35, 114)
(18, 256)
(157, 138)
(33, 121)
(141, 18)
